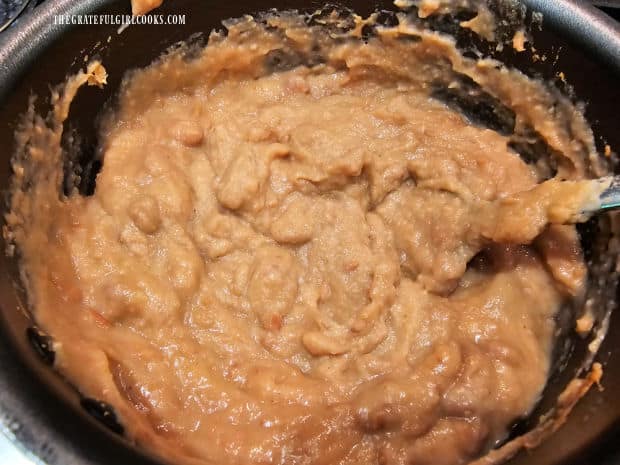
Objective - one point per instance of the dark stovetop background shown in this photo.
(614, 12)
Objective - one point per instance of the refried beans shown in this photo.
(297, 254)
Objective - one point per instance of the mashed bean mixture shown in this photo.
(296, 255)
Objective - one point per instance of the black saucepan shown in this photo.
(48, 418)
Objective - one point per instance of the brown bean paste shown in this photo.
(297, 254)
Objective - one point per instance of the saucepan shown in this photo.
(577, 49)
